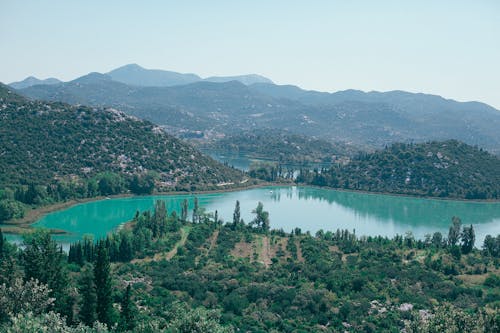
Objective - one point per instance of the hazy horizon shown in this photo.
(448, 48)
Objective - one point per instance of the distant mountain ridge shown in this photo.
(135, 75)
(32, 81)
(369, 119)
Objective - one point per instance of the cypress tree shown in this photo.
(43, 260)
(126, 249)
(454, 232)
(127, 314)
(195, 210)
(88, 302)
(236, 215)
(102, 280)
(159, 218)
(468, 239)
(184, 210)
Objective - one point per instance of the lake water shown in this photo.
(289, 207)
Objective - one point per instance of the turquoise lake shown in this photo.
(308, 208)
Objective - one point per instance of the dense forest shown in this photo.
(448, 169)
(181, 272)
(53, 152)
(281, 146)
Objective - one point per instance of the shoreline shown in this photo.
(24, 225)
(400, 194)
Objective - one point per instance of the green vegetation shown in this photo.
(448, 169)
(163, 274)
(283, 147)
(53, 152)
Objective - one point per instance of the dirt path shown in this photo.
(205, 251)
(170, 254)
(213, 240)
(265, 251)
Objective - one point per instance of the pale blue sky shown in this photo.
(450, 48)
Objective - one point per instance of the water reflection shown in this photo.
(289, 207)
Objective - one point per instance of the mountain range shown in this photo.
(136, 75)
(214, 107)
(33, 81)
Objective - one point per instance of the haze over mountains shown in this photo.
(33, 81)
(136, 75)
(185, 103)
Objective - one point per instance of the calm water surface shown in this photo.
(289, 207)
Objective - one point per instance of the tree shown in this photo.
(48, 322)
(261, 219)
(10, 209)
(126, 250)
(454, 232)
(88, 302)
(22, 297)
(468, 238)
(110, 183)
(159, 218)
(199, 320)
(491, 246)
(184, 210)
(102, 280)
(437, 239)
(44, 261)
(142, 184)
(196, 208)
(127, 313)
(236, 215)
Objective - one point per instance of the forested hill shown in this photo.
(44, 142)
(441, 169)
(282, 146)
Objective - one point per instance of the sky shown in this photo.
(448, 48)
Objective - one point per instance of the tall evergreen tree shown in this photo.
(236, 215)
(184, 210)
(126, 252)
(127, 314)
(44, 261)
(454, 232)
(160, 218)
(195, 210)
(102, 280)
(88, 302)
(468, 238)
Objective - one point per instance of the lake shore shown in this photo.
(23, 225)
(399, 194)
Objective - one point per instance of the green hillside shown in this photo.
(173, 275)
(282, 146)
(441, 169)
(92, 151)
